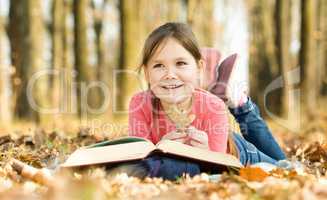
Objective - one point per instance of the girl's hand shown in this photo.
(178, 136)
(197, 138)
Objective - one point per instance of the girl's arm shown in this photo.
(138, 124)
(216, 126)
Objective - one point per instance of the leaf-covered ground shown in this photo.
(40, 148)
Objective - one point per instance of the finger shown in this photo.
(177, 138)
(196, 141)
(190, 128)
(181, 140)
(177, 134)
(193, 130)
(199, 136)
(181, 130)
(174, 135)
(197, 144)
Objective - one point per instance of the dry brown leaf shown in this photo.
(181, 117)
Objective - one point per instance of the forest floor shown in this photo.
(43, 148)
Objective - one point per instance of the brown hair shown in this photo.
(231, 146)
(178, 31)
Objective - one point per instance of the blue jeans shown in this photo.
(257, 134)
(248, 153)
(169, 168)
(256, 145)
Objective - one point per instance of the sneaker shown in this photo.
(291, 165)
(267, 167)
(282, 164)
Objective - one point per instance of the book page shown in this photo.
(111, 153)
(179, 149)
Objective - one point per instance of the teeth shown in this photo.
(170, 86)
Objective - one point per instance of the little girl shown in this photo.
(173, 64)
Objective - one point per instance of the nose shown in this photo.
(171, 73)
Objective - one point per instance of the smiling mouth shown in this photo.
(172, 86)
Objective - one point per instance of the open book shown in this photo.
(136, 148)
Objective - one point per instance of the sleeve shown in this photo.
(138, 125)
(216, 125)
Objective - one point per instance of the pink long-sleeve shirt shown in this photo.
(210, 111)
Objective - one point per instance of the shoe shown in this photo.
(290, 165)
(282, 164)
(265, 166)
(226, 87)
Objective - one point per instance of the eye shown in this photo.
(181, 63)
(157, 66)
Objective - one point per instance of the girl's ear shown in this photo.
(202, 64)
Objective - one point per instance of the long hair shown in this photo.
(231, 146)
(181, 32)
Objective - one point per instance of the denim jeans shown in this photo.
(256, 132)
(256, 145)
(248, 153)
(169, 168)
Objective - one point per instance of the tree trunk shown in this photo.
(85, 74)
(322, 45)
(174, 10)
(200, 17)
(102, 70)
(58, 25)
(127, 79)
(32, 101)
(263, 67)
(307, 60)
(69, 95)
(191, 9)
(16, 34)
(5, 106)
(283, 36)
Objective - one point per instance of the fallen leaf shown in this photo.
(253, 174)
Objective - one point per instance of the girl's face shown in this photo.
(172, 72)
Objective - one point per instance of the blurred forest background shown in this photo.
(71, 49)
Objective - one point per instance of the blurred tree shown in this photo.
(5, 106)
(86, 96)
(263, 64)
(130, 47)
(309, 77)
(322, 45)
(200, 17)
(57, 30)
(15, 34)
(103, 71)
(99, 20)
(26, 29)
(156, 13)
(174, 10)
(69, 93)
(283, 37)
(62, 87)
